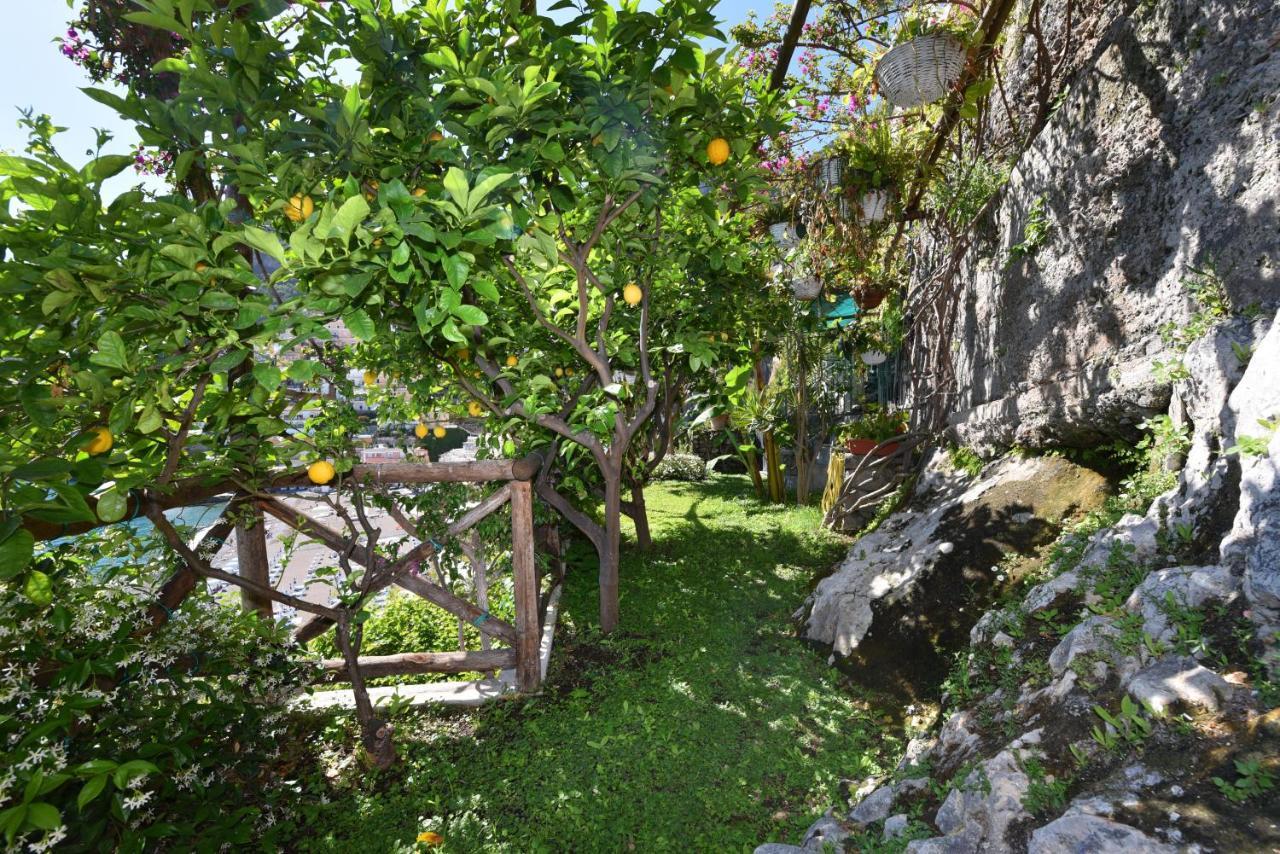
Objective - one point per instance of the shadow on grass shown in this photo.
(703, 724)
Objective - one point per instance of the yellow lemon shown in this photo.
(464, 355)
(420, 431)
(512, 361)
(419, 191)
(101, 442)
(299, 208)
(597, 140)
(559, 372)
(439, 432)
(436, 136)
(370, 378)
(632, 294)
(568, 372)
(474, 409)
(724, 336)
(201, 266)
(718, 150)
(321, 472)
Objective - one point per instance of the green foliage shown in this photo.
(1127, 729)
(878, 423)
(678, 466)
(664, 736)
(1210, 306)
(1045, 796)
(1035, 231)
(965, 460)
(1256, 446)
(962, 189)
(119, 741)
(1252, 780)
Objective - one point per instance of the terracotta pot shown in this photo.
(867, 300)
(720, 422)
(868, 446)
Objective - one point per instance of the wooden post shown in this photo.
(251, 553)
(528, 632)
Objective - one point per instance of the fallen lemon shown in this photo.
(718, 150)
(420, 431)
(474, 409)
(430, 837)
(101, 442)
(439, 432)
(632, 294)
(321, 472)
(370, 378)
(299, 208)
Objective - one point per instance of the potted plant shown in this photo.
(875, 166)
(798, 269)
(877, 424)
(928, 57)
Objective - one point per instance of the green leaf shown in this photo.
(107, 166)
(38, 588)
(15, 553)
(455, 183)
(471, 315)
(111, 505)
(267, 375)
(150, 420)
(55, 300)
(91, 790)
(227, 361)
(131, 769)
(264, 241)
(485, 287)
(43, 816)
(351, 214)
(482, 190)
(111, 351)
(456, 269)
(360, 324)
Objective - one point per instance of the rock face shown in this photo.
(1155, 164)
(928, 560)
(1066, 741)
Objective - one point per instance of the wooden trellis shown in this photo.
(518, 646)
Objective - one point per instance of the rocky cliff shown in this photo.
(1119, 678)
(1160, 161)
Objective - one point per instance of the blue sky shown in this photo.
(35, 74)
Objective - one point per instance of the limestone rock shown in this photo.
(1097, 634)
(895, 826)
(874, 806)
(1189, 586)
(1253, 545)
(825, 831)
(990, 799)
(1175, 679)
(1080, 832)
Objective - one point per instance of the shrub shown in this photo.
(408, 623)
(119, 741)
(681, 467)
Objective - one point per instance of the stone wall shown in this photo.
(1163, 156)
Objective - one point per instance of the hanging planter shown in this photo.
(783, 233)
(830, 172)
(920, 71)
(871, 358)
(805, 287)
(875, 204)
(868, 299)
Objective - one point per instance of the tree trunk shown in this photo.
(802, 427)
(612, 543)
(773, 469)
(251, 556)
(640, 516)
(375, 734)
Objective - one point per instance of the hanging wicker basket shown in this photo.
(875, 204)
(806, 287)
(871, 358)
(830, 173)
(783, 233)
(920, 71)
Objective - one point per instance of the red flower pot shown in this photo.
(867, 300)
(867, 446)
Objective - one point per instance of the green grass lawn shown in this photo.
(703, 725)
